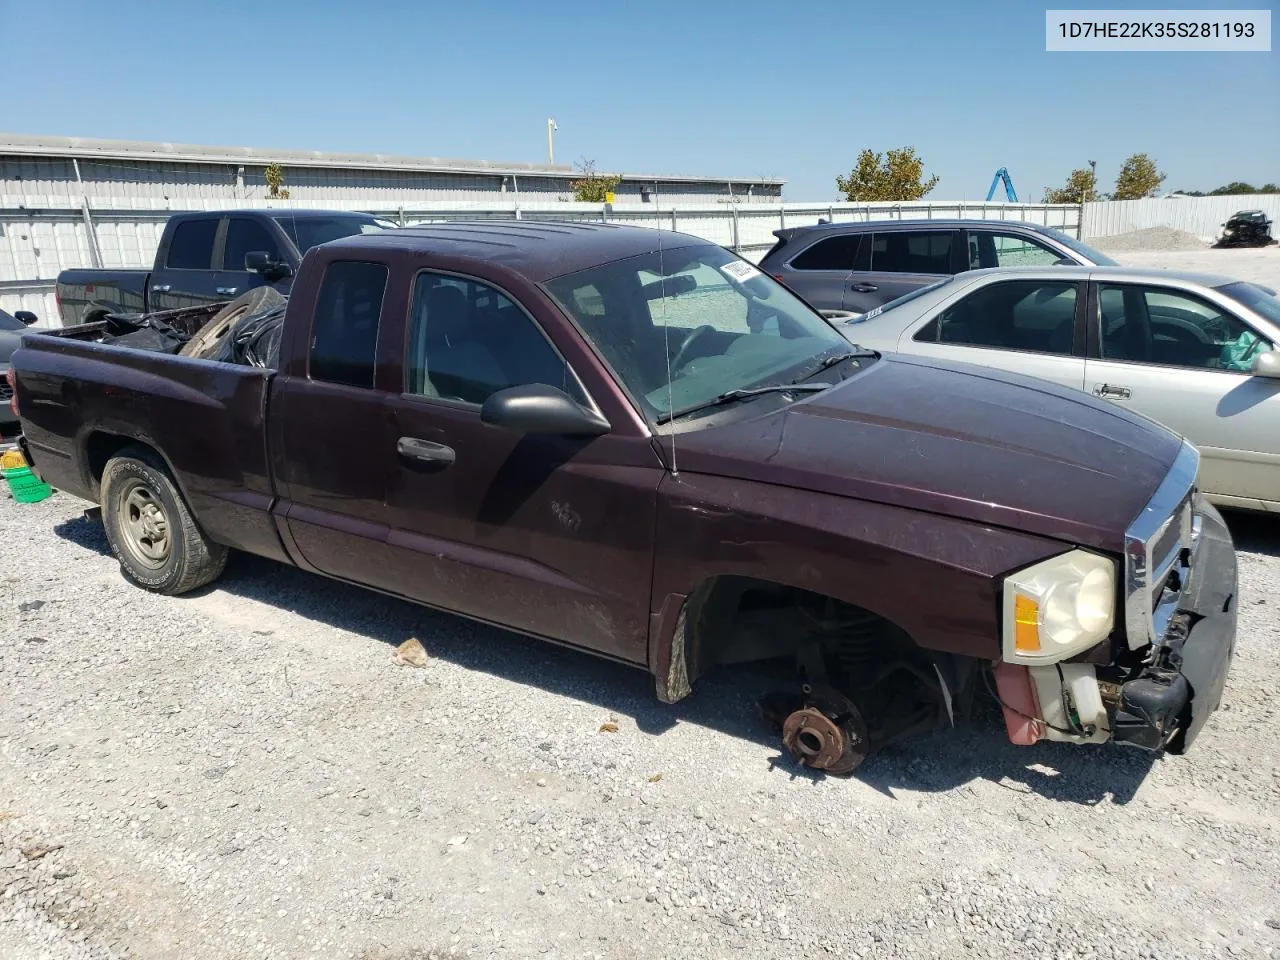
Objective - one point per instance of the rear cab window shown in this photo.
(344, 330)
(191, 247)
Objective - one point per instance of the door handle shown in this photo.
(864, 287)
(1109, 391)
(424, 451)
(225, 291)
(160, 288)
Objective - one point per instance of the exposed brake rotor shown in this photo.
(828, 733)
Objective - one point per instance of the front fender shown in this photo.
(936, 577)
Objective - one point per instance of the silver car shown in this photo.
(1195, 352)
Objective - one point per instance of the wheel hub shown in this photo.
(828, 733)
(146, 527)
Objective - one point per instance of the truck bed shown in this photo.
(85, 400)
(84, 293)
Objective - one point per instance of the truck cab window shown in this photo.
(344, 332)
(246, 236)
(192, 245)
(467, 340)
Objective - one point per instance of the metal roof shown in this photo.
(85, 148)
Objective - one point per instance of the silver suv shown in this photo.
(855, 267)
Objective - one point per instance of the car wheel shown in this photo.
(151, 530)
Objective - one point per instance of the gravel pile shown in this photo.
(1152, 238)
(249, 773)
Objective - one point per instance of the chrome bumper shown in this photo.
(1180, 600)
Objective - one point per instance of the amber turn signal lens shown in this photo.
(1026, 625)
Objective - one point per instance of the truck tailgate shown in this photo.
(80, 402)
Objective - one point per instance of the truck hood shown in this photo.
(953, 439)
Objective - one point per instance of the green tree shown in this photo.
(593, 187)
(275, 182)
(895, 175)
(1138, 178)
(1081, 187)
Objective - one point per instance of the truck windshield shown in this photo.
(696, 315)
(308, 232)
(10, 323)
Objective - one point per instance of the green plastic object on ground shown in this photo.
(25, 486)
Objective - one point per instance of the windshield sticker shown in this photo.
(739, 271)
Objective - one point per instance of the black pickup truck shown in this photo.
(207, 257)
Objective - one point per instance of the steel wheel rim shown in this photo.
(144, 525)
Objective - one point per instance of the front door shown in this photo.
(1025, 326)
(549, 535)
(1184, 362)
(245, 236)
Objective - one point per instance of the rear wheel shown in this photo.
(150, 529)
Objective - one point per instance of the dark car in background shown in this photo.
(855, 267)
(209, 257)
(11, 328)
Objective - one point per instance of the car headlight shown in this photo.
(1058, 608)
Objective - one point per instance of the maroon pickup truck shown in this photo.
(637, 444)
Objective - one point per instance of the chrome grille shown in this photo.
(6, 392)
(1156, 547)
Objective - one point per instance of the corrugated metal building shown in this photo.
(170, 175)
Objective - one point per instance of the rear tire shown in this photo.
(152, 533)
(208, 339)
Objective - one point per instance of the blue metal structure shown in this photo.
(1009, 192)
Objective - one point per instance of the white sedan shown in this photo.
(1195, 352)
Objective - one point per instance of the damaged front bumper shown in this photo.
(1179, 627)
(1167, 704)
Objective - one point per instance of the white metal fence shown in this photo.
(41, 236)
(1200, 216)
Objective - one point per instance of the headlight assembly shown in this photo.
(1058, 607)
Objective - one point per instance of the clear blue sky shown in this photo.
(788, 89)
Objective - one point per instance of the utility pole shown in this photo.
(551, 149)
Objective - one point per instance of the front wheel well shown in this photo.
(832, 642)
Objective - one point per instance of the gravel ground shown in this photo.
(1256, 264)
(247, 773)
(1150, 239)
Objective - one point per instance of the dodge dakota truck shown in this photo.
(634, 443)
(208, 257)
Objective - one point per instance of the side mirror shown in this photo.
(1267, 365)
(1065, 262)
(25, 317)
(537, 408)
(260, 262)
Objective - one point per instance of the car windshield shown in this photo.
(1096, 257)
(683, 326)
(308, 232)
(1256, 298)
(10, 323)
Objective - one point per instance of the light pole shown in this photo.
(1093, 178)
(551, 149)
